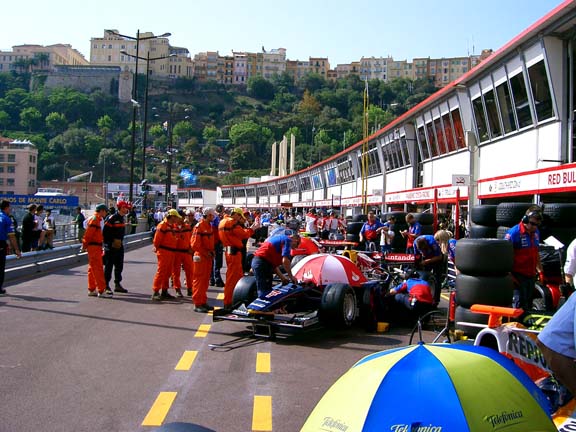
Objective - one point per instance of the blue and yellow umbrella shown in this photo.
(433, 388)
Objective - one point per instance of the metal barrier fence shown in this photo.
(45, 261)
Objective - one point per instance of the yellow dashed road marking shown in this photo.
(263, 362)
(262, 414)
(159, 409)
(202, 330)
(220, 296)
(186, 361)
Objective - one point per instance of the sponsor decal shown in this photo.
(523, 346)
(415, 427)
(503, 419)
(332, 424)
(400, 257)
(567, 426)
(355, 277)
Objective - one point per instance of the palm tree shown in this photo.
(43, 59)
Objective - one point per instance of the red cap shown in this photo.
(124, 204)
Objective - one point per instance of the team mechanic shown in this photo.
(183, 258)
(525, 239)
(273, 253)
(232, 232)
(92, 243)
(114, 230)
(165, 245)
(202, 243)
(432, 261)
(371, 230)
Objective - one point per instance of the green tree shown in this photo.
(31, 118)
(56, 122)
(4, 120)
(260, 88)
(210, 134)
(312, 82)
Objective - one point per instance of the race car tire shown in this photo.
(354, 227)
(360, 218)
(463, 314)
(484, 257)
(353, 238)
(245, 291)
(424, 218)
(338, 306)
(501, 231)
(296, 260)
(560, 214)
(182, 427)
(398, 215)
(484, 215)
(487, 290)
(542, 299)
(510, 214)
(483, 231)
(427, 230)
(248, 262)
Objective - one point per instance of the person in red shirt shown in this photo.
(92, 243)
(202, 243)
(414, 294)
(232, 233)
(165, 245)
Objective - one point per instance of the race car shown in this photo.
(292, 307)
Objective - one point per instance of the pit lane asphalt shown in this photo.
(69, 362)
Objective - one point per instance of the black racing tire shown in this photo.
(338, 306)
(501, 231)
(427, 230)
(509, 214)
(463, 314)
(484, 215)
(483, 231)
(245, 291)
(560, 214)
(359, 218)
(487, 290)
(354, 227)
(296, 260)
(248, 262)
(182, 427)
(542, 299)
(353, 237)
(424, 218)
(368, 312)
(484, 257)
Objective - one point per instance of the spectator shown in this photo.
(28, 228)
(273, 253)
(15, 228)
(38, 232)
(556, 341)
(413, 231)
(79, 222)
(525, 239)
(6, 235)
(49, 227)
(311, 222)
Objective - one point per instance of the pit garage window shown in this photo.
(521, 100)
(541, 91)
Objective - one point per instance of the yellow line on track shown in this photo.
(159, 410)
(445, 297)
(263, 363)
(262, 414)
(186, 361)
(202, 331)
(220, 296)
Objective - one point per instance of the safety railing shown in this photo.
(70, 255)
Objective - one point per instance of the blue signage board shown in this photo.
(48, 201)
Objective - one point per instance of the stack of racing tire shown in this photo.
(484, 267)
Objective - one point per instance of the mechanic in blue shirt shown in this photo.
(432, 260)
(273, 253)
(370, 231)
(413, 231)
(7, 234)
(414, 293)
(525, 239)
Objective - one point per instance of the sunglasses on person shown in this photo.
(533, 223)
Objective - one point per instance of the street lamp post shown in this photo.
(145, 136)
(64, 171)
(134, 98)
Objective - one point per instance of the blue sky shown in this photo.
(342, 30)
